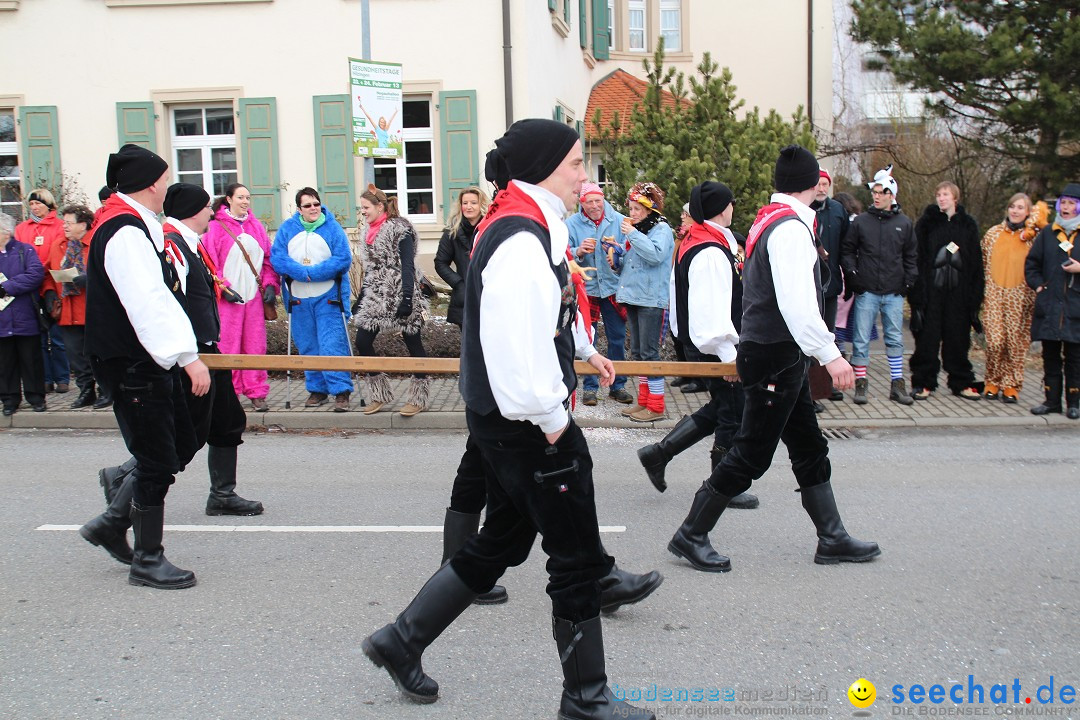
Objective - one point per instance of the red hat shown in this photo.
(825, 174)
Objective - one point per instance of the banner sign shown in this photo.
(376, 108)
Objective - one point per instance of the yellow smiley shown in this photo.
(862, 693)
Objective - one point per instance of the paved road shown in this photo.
(978, 577)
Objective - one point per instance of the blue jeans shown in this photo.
(615, 331)
(53, 349)
(867, 307)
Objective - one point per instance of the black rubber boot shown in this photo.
(834, 543)
(149, 566)
(457, 529)
(223, 499)
(110, 479)
(654, 458)
(742, 501)
(623, 588)
(691, 540)
(398, 647)
(586, 695)
(1072, 403)
(109, 529)
(1052, 403)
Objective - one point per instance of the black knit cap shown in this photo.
(709, 199)
(104, 193)
(133, 168)
(796, 170)
(184, 200)
(529, 151)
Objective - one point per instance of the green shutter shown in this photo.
(583, 34)
(600, 39)
(580, 127)
(557, 114)
(261, 172)
(135, 124)
(39, 138)
(333, 156)
(566, 11)
(552, 4)
(460, 147)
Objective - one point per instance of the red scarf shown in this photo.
(511, 202)
(766, 218)
(700, 234)
(373, 229)
(113, 207)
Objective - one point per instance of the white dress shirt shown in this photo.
(708, 301)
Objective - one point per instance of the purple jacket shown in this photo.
(20, 263)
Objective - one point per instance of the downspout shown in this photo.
(508, 76)
(810, 60)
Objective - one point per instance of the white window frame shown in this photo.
(633, 6)
(671, 6)
(403, 190)
(15, 208)
(611, 24)
(205, 143)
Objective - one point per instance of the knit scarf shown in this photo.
(373, 229)
(310, 226)
(1069, 226)
(73, 258)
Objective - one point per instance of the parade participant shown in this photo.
(879, 260)
(312, 256)
(139, 338)
(517, 376)
(1050, 270)
(706, 276)
(593, 232)
(782, 328)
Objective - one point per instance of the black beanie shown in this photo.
(184, 200)
(529, 151)
(104, 193)
(796, 170)
(709, 199)
(133, 168)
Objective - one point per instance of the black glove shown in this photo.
(269, 294)
(79, 281)
(355, 305)
(916, 323)
(3, 292)
(976, 324)
(404, 308)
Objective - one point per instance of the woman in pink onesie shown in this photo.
(243, 326)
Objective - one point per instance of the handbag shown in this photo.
(426, 287)
(44, 319)
(269, 309)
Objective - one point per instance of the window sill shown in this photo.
(166, 3)
(669, 57)
(9, 4)
(590, 61)
(560, 25)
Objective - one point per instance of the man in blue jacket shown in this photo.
(311, 253)
(593, 231)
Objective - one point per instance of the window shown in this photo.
(671, 24)
(611, 24)
(636, 24)
(10, 193)
(204, 146)
(412, 178)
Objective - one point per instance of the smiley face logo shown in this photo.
(862, 693)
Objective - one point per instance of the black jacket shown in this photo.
(455, 250)
(878, 255)
(832, 227)
(1057, 307)
(945, 276)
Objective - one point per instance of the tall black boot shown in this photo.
(149, 566)
(457, 529)
(1052, 403)
(109, 529)
(834, 543)
(1072, 403)
(110, 479)
(586, 695)
(691, 540)
(620, 588)
(742, 501)
(654, 458)
(223, 499)
(398, 647)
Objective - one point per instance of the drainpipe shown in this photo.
(810, 60)
(368, 164)
(508, 76)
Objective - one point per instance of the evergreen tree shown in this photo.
(1008, 72)
(697, 137)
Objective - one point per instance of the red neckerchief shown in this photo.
(582, 296)
(766, 217)
(202, 254)
(113, 207)
(511, 202)
(700, 234)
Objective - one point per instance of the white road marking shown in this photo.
(306, 528)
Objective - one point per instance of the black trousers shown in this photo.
(153, 417)
(469, 494)
(1061, 361)
(723, 413)
(22, 370)
(217, 417)
(946, 328)
(74, 340)
(778, 408)
(365, 344)
(537, 488)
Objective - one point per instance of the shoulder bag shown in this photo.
(269, 309)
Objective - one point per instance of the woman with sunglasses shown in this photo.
(240, 248)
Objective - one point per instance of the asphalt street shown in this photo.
(978, 577)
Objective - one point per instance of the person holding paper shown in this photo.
(21, 366)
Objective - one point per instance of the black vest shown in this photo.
(762, 321)
(682, 293)
(473, 382)
(108, 331)
(200, 301)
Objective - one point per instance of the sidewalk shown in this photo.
(448, 411)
